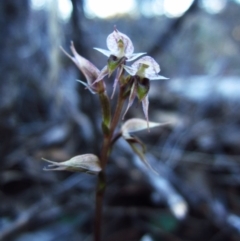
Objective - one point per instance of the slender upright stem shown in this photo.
(99, 204)
(114, 122)
(104, 158)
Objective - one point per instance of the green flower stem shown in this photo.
(107, 144)
(106, 149)
(106, 110)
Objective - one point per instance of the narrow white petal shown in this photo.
(131, 99)
(134, 56)
(119, 72)
(103, 51)
(158, 77)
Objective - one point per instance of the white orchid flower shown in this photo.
(142, 71)
(119, 45)
(120, 50)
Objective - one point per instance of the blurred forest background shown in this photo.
(44, 112)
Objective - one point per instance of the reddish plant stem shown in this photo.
(98, 206)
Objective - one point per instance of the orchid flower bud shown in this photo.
(88, 163)
(134, 125)
(89, 70)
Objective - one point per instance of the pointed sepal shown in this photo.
(140, 153)
(106, 111)
(132, 96)
(87, 86)
(102, 74)
(116, 80)
(145, 105)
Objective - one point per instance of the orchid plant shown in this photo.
(133, 81)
